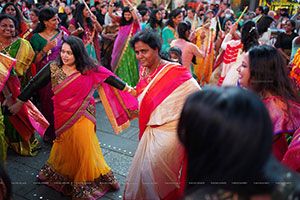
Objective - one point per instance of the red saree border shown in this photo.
(167, 80)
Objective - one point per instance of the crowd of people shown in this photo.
(216, 93)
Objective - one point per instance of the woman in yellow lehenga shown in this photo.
(203, 68)
(20, 139)
(76, 165)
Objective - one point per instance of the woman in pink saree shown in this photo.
(264, 71)
(161, 92)
(76, 165)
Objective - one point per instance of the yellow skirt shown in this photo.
(76, 165)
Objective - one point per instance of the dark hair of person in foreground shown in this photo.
(227, 134)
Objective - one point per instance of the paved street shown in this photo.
(118, 152)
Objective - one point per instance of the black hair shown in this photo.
(7, 183)
(123, 21)
(18, 17)
(293, 23)
(45, 15)
(83, 61)
(263, 24)
(226, 20)
(182, 28)
(153, 21)
(261, 9)
(78, 16)
(174, 13)
(177, 51)
(5, 16)
(143, 12)
(192, 9)
(227, 134)
(249, 35)
(268, 73)
(36, 11)
(148, 37)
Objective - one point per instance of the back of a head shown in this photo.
(227, 133)
(264, 24)
(249, 35)
(182, 28)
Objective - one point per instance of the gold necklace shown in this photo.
(148, 75)
(6, 49)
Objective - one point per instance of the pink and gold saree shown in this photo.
(73, 96)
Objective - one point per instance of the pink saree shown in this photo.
(73, 96)
(284, 124)
(28, 118)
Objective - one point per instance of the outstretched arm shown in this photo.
(119, 84)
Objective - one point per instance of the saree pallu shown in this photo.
(154, 172)
(6, 64)
(84, 174)
(20, 129)
(124, 63)
(233, 51)
(204, 66)
(45, 94)
(284, 123)
(73, 97)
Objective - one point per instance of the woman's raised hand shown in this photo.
(50, 45)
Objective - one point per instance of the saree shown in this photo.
(84, 174)
(45, 94)
(18, 131)
(233, 51)
(154, 173)
(204, 66)
(19, 128)
(124, 63)
(91, 41)
(168, 35)
(284, 123)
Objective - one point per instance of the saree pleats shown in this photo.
(77, 160)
